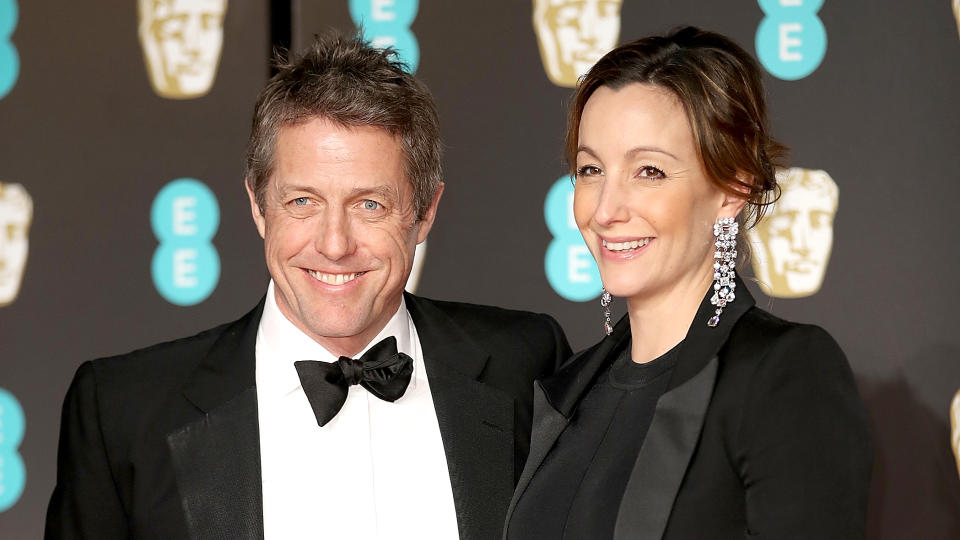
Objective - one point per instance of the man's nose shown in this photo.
(334, 239)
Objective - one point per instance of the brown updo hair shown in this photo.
(719, 86)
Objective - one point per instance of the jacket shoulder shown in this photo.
(492, 321)
(771, 338)
(162, 357)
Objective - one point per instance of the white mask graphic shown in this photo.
(792, 243)
(182, 41)
(418, 256)
(574, 34)
(16, 214)
(956, 12)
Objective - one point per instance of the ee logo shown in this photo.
(570, 268)
(13, 475)
(386, 23)
(791, 40)
(9, 59)
(184, 217)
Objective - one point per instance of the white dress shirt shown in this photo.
(376, 471)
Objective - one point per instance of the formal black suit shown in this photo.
(760, 433)
(164, 442)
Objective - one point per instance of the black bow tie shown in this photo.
(381, 370)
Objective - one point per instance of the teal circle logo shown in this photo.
(569, 266)
(386, 23)
(9, 59)
(185, 267)
(791, 40)
(13, 474)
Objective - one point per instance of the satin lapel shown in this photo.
(555, 399)
(476, 421)
(663, 458)
(217, 457)
(548, 424)
(677, 422)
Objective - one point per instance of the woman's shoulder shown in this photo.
(760, 329)
(762, 342)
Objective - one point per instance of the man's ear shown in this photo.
(424, 225)
(733, 204)
(255, 210)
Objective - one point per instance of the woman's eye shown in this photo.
(370, 205)
(651, 172)
(589, 170)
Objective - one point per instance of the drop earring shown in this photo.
(725, 229)
(605, 300)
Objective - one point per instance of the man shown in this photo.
(229, 434)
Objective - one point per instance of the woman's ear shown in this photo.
(732, 204)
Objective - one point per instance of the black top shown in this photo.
(578, 489)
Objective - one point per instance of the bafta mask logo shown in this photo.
(574, 34)
(181, 40)
(414, 279)
(791, 244)
(955, 428)
(16, 213)
(956, 12)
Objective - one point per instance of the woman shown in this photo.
(699, 415)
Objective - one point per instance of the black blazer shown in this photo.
(760, 434)
(164, 442)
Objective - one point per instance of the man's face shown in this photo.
(339, 230)
(574, 34)
(797, 236)
(16, 211)
(182, 40)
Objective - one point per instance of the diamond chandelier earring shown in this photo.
(725, 229)
(605, 300)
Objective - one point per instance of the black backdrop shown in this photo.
(85, 134)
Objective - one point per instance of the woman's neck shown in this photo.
(660, 320)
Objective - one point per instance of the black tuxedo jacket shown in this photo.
(760, 433)
(164, 442)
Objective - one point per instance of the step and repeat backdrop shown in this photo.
(124, 222)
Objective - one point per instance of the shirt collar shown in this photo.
(280, 343)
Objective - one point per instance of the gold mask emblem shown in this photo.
(181, 40)
(414, 278)
(955, 424)
(956, 12)
(16, 213)
(574, 34)
(791, 245)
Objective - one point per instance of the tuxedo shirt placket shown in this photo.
(377, 470)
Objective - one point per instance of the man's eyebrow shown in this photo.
(384, 191)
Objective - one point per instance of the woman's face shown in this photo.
(642, 200)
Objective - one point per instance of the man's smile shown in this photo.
(334, 279)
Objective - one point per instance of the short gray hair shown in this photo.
(351, 83)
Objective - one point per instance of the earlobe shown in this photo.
(424, 225)
(255, 210)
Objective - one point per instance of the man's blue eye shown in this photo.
(370, 205)
(300, 201)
